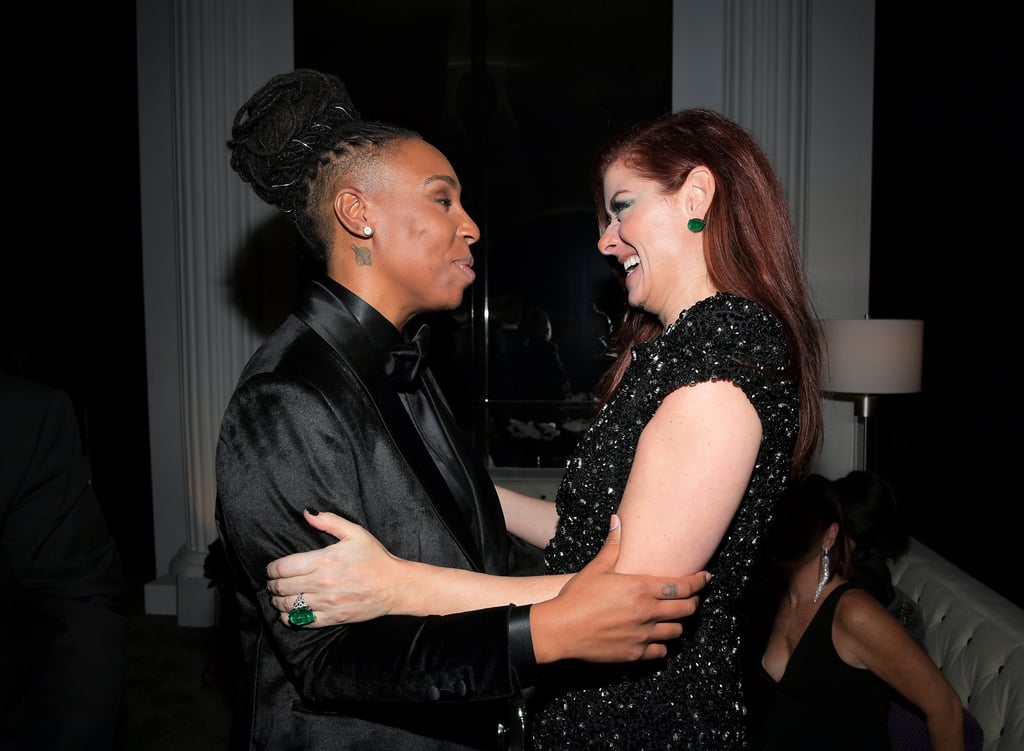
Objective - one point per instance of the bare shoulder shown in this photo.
(859, 615)
(855, 604)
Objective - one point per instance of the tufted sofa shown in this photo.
(975, 636)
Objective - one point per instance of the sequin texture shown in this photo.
(692, 700)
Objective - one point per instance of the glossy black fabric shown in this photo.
(315, 423)
(405, 361)
(62, 635)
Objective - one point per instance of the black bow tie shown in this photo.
(406, 360)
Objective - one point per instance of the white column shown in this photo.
(799, 74)
(198, 62)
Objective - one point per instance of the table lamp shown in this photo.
(870, 357)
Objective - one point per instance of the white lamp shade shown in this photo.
(873, 356)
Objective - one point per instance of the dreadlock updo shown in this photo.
(294, 136)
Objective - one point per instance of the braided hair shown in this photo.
(297, 134)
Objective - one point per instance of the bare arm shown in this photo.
(357, 579)
(530, 519)
(599, 615)
(868, 636)
(692, 466)
(603, 616)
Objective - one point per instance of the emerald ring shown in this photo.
(300, 614)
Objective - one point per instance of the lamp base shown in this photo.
(865, 405)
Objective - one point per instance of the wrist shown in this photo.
(520, 645)
(406, 596)
(544, 636)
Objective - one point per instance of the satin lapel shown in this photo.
(480, 486)
(323, 312)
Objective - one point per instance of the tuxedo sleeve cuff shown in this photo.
(520, 646)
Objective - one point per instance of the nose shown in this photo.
(609, 238)
(469, 230)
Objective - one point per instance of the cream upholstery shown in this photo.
(976, 637)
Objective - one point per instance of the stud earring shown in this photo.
(695, 225)
(368, 231)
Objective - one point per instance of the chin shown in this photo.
(450, 304)
(634, 302)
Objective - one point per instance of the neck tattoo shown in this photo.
(362, 254)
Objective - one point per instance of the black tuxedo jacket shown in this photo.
(314, 423)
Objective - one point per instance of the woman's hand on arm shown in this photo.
(356, 579)
(604, 616)
(531, 519)
(597, 615)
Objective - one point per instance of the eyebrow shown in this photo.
(616, 201)
(443, 178)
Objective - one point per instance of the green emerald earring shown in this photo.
(695, 225)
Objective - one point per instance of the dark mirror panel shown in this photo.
(519, 95)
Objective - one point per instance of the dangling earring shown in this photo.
(368, 231)
(695, 225)
(824, 576)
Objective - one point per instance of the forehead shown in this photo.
(418, 162)
(620, 177)
(618, 172)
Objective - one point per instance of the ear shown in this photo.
(698, 190)
(350, 209)
(830, 536)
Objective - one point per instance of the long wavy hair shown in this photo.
(749, 245)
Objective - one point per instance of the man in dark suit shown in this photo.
(62, 645)
(336, 412)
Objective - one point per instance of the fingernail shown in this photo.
(312, 512)
(614, 523)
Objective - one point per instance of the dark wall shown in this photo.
(520, 114)
(73, 309)
(941, 244)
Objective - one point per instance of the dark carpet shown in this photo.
(176, 692)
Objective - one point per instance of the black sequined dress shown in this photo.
(693, 699)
